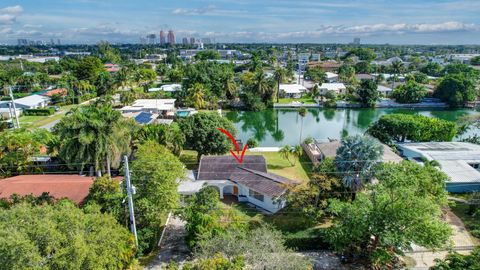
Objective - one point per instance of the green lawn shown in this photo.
(38, 121)
(306, 100)
(297, 169)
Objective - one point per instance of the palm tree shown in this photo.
(285, 152)
(122, 78)
(262, 85)
(355, 160)
(95, 135)
(279, 75)
(197, 94)
(297, 151)
(397, 67)
(81, 88)
(302, 112)
(230, 86)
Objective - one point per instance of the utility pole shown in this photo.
(130, 192)
(14, 107)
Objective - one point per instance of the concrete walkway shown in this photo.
(173, 246)
(463, 243)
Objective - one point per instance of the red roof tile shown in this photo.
(73, 187)
(58, 91)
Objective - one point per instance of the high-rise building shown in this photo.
(171, 37)
(58, 42)
(162, 37)
(151, 39)
(356, 41)
(22, 42)
(185, 41)
(192, 40)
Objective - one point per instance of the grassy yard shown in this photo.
(31, 121)
(305, 100)
(296, 168)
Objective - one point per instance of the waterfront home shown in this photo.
(292, 90)
(163, 107)
(385, 91)
(247, 182)
(459, 160)
(73, 187)
(338, 88)
(174, 87)
(28, 102)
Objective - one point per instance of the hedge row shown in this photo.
(39, 112)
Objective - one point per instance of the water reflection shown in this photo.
(278, 127)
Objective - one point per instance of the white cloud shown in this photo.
(12, 10)
(193, 11)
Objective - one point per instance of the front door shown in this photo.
(235, 190)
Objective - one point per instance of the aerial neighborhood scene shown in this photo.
(240, 134)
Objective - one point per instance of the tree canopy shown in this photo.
(62, 236)
(392, 128)
(411, 92)
(456, 90)
(367, 93)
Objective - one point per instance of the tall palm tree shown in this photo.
(81, 88)
(397, 67)
(302, 112)
(197, 96)
(122, 78)
(230, 86)
(262, 85)
(279, 75)
(297, 151)
(93, 135)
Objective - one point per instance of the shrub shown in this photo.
(39, 112)
(252, 143)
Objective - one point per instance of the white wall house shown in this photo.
(386, 91)
(29, 102)
(292, 90)
(165, 107)
(247, 182)
(331, 77)
(175, 87)
(338, 88)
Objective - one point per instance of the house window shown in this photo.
(255, 195)
(475, 165)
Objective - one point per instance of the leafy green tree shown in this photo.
(364, 54)
(392, 215)
(96, 135)
(107, 53)
(202, 134)
(415, 128)
(207, 55)
(285, 151)
(154, 172)
(316, 74)
(89, 68)
(217, 262)
(169, 136)
(459, 68)
(475, 61)
(367, 92)
(261, 248)
(62, 236)
(363, 67)
(432, 69)
(107, 193)
(252, 143)
(397, 67)
(346, 73)
(127, 97)
(104, 84)
(411, 92)
(356, 159)
(456, 90)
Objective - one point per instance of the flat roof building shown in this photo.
(459, 160)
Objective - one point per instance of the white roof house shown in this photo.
(293, 88)
(150, 105)
(29, 102)
(384, 90)
(331, 77)
(338, 88)
(459, 160)
(167, 88)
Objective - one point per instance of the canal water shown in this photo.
(279, 127)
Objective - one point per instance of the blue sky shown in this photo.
(395, 22)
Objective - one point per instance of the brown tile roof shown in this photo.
(221, 167)
(73, 187)
(58, 91)
(266, 183)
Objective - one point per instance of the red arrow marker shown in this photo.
(239, 159)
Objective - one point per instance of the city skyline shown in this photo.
(89, 21)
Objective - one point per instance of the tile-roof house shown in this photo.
(73, 187)
(249, 181)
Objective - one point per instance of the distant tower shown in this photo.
(151, 39)
(185, 41)
(171, 37)
(192, 40)
(356, 41)
(162, 38)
